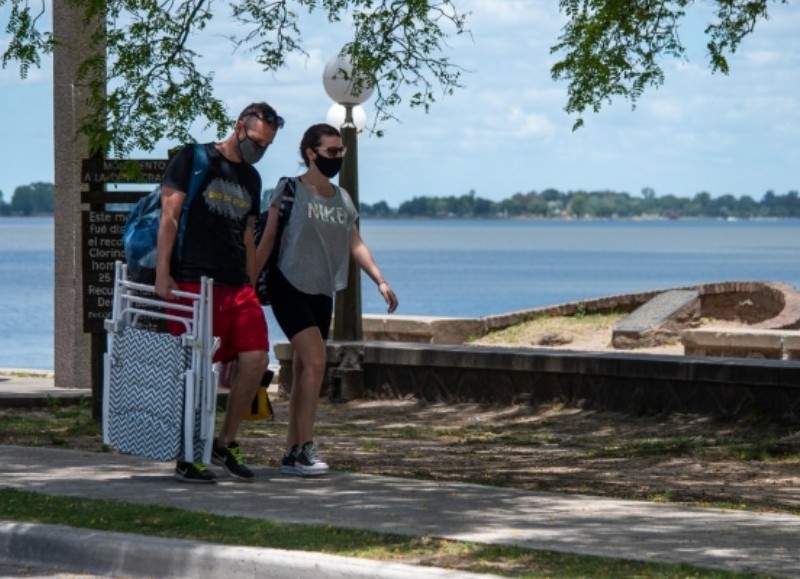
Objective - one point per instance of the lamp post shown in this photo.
(338, 81)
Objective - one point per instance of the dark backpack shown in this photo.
(140, 236)
(284, 212)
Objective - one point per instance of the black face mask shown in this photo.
(327, 166)
(250, 151)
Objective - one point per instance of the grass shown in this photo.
(547, 330)
(26, 373)
(19, 505)
(55, 426)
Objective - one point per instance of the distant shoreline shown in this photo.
(515, 218)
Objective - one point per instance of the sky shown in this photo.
(506, 130)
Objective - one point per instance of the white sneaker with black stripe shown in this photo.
(307, 461)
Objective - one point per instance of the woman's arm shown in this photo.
(365, 261)
(264, 249)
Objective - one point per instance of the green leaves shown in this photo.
(614, 48)
(149, 87)
(399, 44)
(146, 82)
(27, 43)
(736, 19)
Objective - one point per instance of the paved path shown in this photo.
(724, 539)
(733, 540)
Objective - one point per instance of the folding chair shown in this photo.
(159, 390)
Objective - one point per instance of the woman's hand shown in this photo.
(388, 295)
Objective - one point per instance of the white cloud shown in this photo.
(524, 125)
(666, 109)
(759, 58)
(512, 12)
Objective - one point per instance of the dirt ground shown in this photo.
(676, 458)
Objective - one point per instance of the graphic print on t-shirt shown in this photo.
(327, 214)
(227, 198)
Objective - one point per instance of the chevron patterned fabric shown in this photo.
(147, 398)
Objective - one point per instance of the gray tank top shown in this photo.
(315, 249)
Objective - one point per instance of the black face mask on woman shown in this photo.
(327, 166)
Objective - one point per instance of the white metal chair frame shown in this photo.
(131, 305)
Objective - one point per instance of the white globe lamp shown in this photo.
(337, 78)
(337, 113)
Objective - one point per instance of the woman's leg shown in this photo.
(308, 372)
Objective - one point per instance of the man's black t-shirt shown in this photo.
(213, 243)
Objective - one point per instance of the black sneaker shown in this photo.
(307, 461)
(194, 472)
(232, 461)
(287, 462)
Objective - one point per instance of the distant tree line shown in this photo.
(33, 199)
(37, 199)
(552, 203)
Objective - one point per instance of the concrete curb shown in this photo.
(36, 389)
(86, 551)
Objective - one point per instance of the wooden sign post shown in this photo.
(102, 226)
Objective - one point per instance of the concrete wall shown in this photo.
(758, 375)
(615, 381)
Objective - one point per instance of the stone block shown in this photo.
(733, 342)
(425, 329)
(791, 345)
(657, 321)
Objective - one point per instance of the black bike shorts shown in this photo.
(294, 310)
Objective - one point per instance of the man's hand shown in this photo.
(164, 286)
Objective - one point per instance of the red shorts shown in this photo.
(238, 322)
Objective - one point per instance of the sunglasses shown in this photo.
(272, 119)
(333, 152)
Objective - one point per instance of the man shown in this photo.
(219, 243)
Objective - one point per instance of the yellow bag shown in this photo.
(261, 408)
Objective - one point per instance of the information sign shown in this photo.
(102, 247)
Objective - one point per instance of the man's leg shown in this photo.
(244, 387)
(246, 336)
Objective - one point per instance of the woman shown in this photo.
(314, 256)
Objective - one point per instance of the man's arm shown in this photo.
(171, 207)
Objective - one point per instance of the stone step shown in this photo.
(657, 320)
